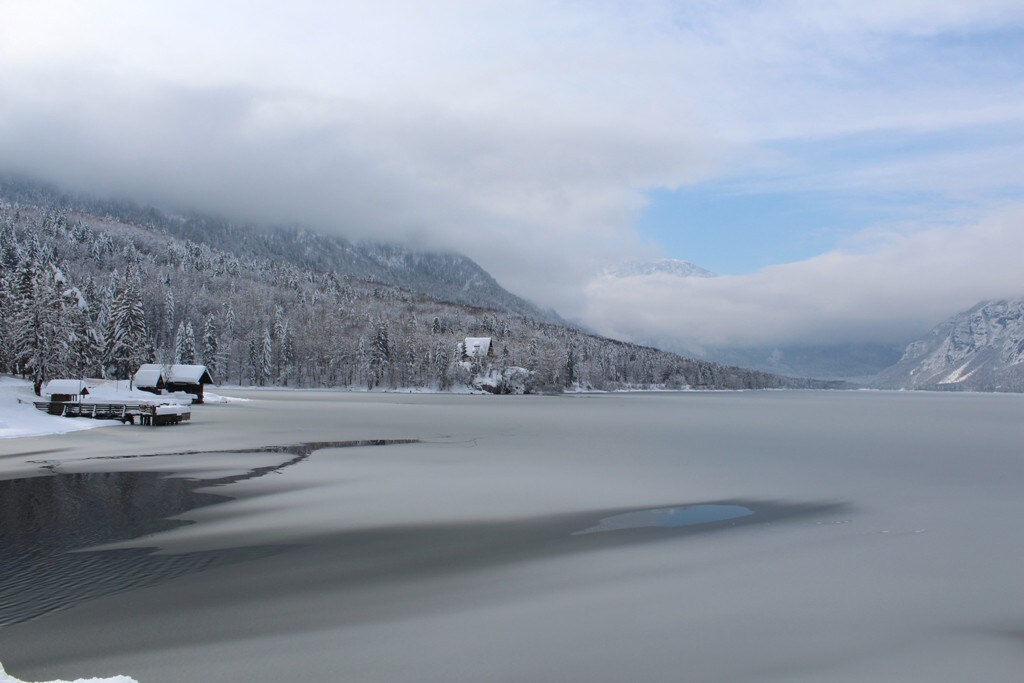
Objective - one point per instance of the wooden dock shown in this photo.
(125, 411)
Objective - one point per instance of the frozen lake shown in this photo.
(789, 536)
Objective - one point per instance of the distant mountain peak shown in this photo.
(665, 266)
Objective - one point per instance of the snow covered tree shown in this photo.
(380, 352)
(442, 364)
(168, 319)
(42, 331)
(266, 357)
(570, 363)
(363, 364)
(276, 336)
(185, 343)
(287, 354)
(211, 346)
(127, 344)
(255, 365)
(84, 348)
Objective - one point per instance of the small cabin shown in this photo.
(477, 348)
(156, 379)
(65, 390)
(150, 377)
(187, 378)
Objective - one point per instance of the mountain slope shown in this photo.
(77, 282)
(978, 350)
(447, 276)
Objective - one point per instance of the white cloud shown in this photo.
(896, 286)
(523, 134)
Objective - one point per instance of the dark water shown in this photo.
(670, 517)
(48, 523)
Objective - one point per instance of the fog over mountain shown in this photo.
(544, 142)
(886, 290)
(95, 288)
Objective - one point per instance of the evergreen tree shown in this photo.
(277, 334)
(570, 363)
(127, 344)
(85, 350)
(266, 355)
(363, 363)
(211, 346)
(42, 330)
(287, 354)
(442, 362)
(380, 352)
(255, 366)
(168, 320)
(185, 343)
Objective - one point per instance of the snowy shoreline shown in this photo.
(19, 418)
(7, 678)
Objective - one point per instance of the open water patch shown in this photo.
(688, 515)
(49, 523)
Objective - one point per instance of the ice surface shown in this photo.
(455, 559)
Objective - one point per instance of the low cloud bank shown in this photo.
(888, 288)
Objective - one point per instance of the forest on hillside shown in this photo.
(93, 295)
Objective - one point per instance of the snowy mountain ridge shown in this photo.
(667, 266)
(981, 349)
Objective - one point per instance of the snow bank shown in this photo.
(209, 397)
(18, 417)
(173, 410)
(111, 391)
(7, 678)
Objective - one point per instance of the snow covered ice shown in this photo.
(883, 542)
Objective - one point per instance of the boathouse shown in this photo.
(188, 378)
(150, 377)
(65, 390)
(156, 379)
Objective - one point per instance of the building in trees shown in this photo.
(477, 348)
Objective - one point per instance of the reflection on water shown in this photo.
(669, 517)
(44, 520)
(48, 524)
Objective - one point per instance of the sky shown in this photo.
(851, 169)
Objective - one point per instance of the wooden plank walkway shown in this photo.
(126, 411)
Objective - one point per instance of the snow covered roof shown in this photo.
(188, 374)
(477, 346)
(149, 375)
(71, 387)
